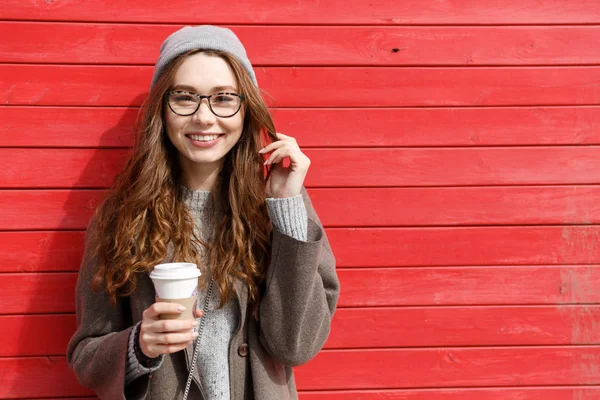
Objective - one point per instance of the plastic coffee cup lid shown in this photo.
(175, 271)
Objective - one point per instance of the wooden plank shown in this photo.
(54, 372)
(80, 168)
(42, 335)
(466, 246)
(376, 207)
(67, 43)
(414, 368)
(35, 335)
(41, 251)
(35, 293)
(464, 326)
(358, 247)
(433, 167)
(57, 209)
(508, 205)
(377, 12)
(469, 285)
(371, 167)
(75, 85)
(356, 127)
(67, 127)
(496, 393)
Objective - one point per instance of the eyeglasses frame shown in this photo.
(201, 97)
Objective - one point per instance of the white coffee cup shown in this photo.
(176, 283)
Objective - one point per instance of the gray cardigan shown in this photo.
(295, 316)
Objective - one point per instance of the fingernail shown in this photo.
(195, 334)
(181, 308)
(195, 323)
(266, 162)
(261, 151)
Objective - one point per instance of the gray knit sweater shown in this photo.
(288, 215)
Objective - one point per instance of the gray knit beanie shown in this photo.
(206, 37)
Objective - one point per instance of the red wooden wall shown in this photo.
(456, 166)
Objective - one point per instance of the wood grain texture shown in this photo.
(41, 251)
(36, 335)
(58, 380)
(371, 167)
(464, 326)
(67, 43)
(356, 207)
(74, 85)
(103, 127)
(441, 286)
(364, 328)
(359, 247)
(504, 205)
(378, 12)
(433, 167)
(37, 293)
(55, 209)
(412, 368)
(466, 246)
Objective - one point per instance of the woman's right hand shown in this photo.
(165, 336)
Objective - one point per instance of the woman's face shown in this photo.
(203, 138)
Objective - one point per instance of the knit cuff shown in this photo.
(289, 216)
(137, 363)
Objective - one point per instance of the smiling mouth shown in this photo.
(203, 138)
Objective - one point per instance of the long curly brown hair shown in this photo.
(143, 213)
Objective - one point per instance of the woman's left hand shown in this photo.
(286, 181)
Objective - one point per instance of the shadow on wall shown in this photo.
(64, 245)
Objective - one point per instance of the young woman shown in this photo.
(205, 184)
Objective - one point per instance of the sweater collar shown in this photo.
(195, 200)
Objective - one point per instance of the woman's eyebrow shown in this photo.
(223, 88)
(215, 89)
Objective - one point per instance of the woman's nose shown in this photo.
(204, 115)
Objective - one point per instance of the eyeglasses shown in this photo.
(223, 105)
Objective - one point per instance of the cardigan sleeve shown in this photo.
(288, 215)
(301, 294)
(136, 364)
(98, 349)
